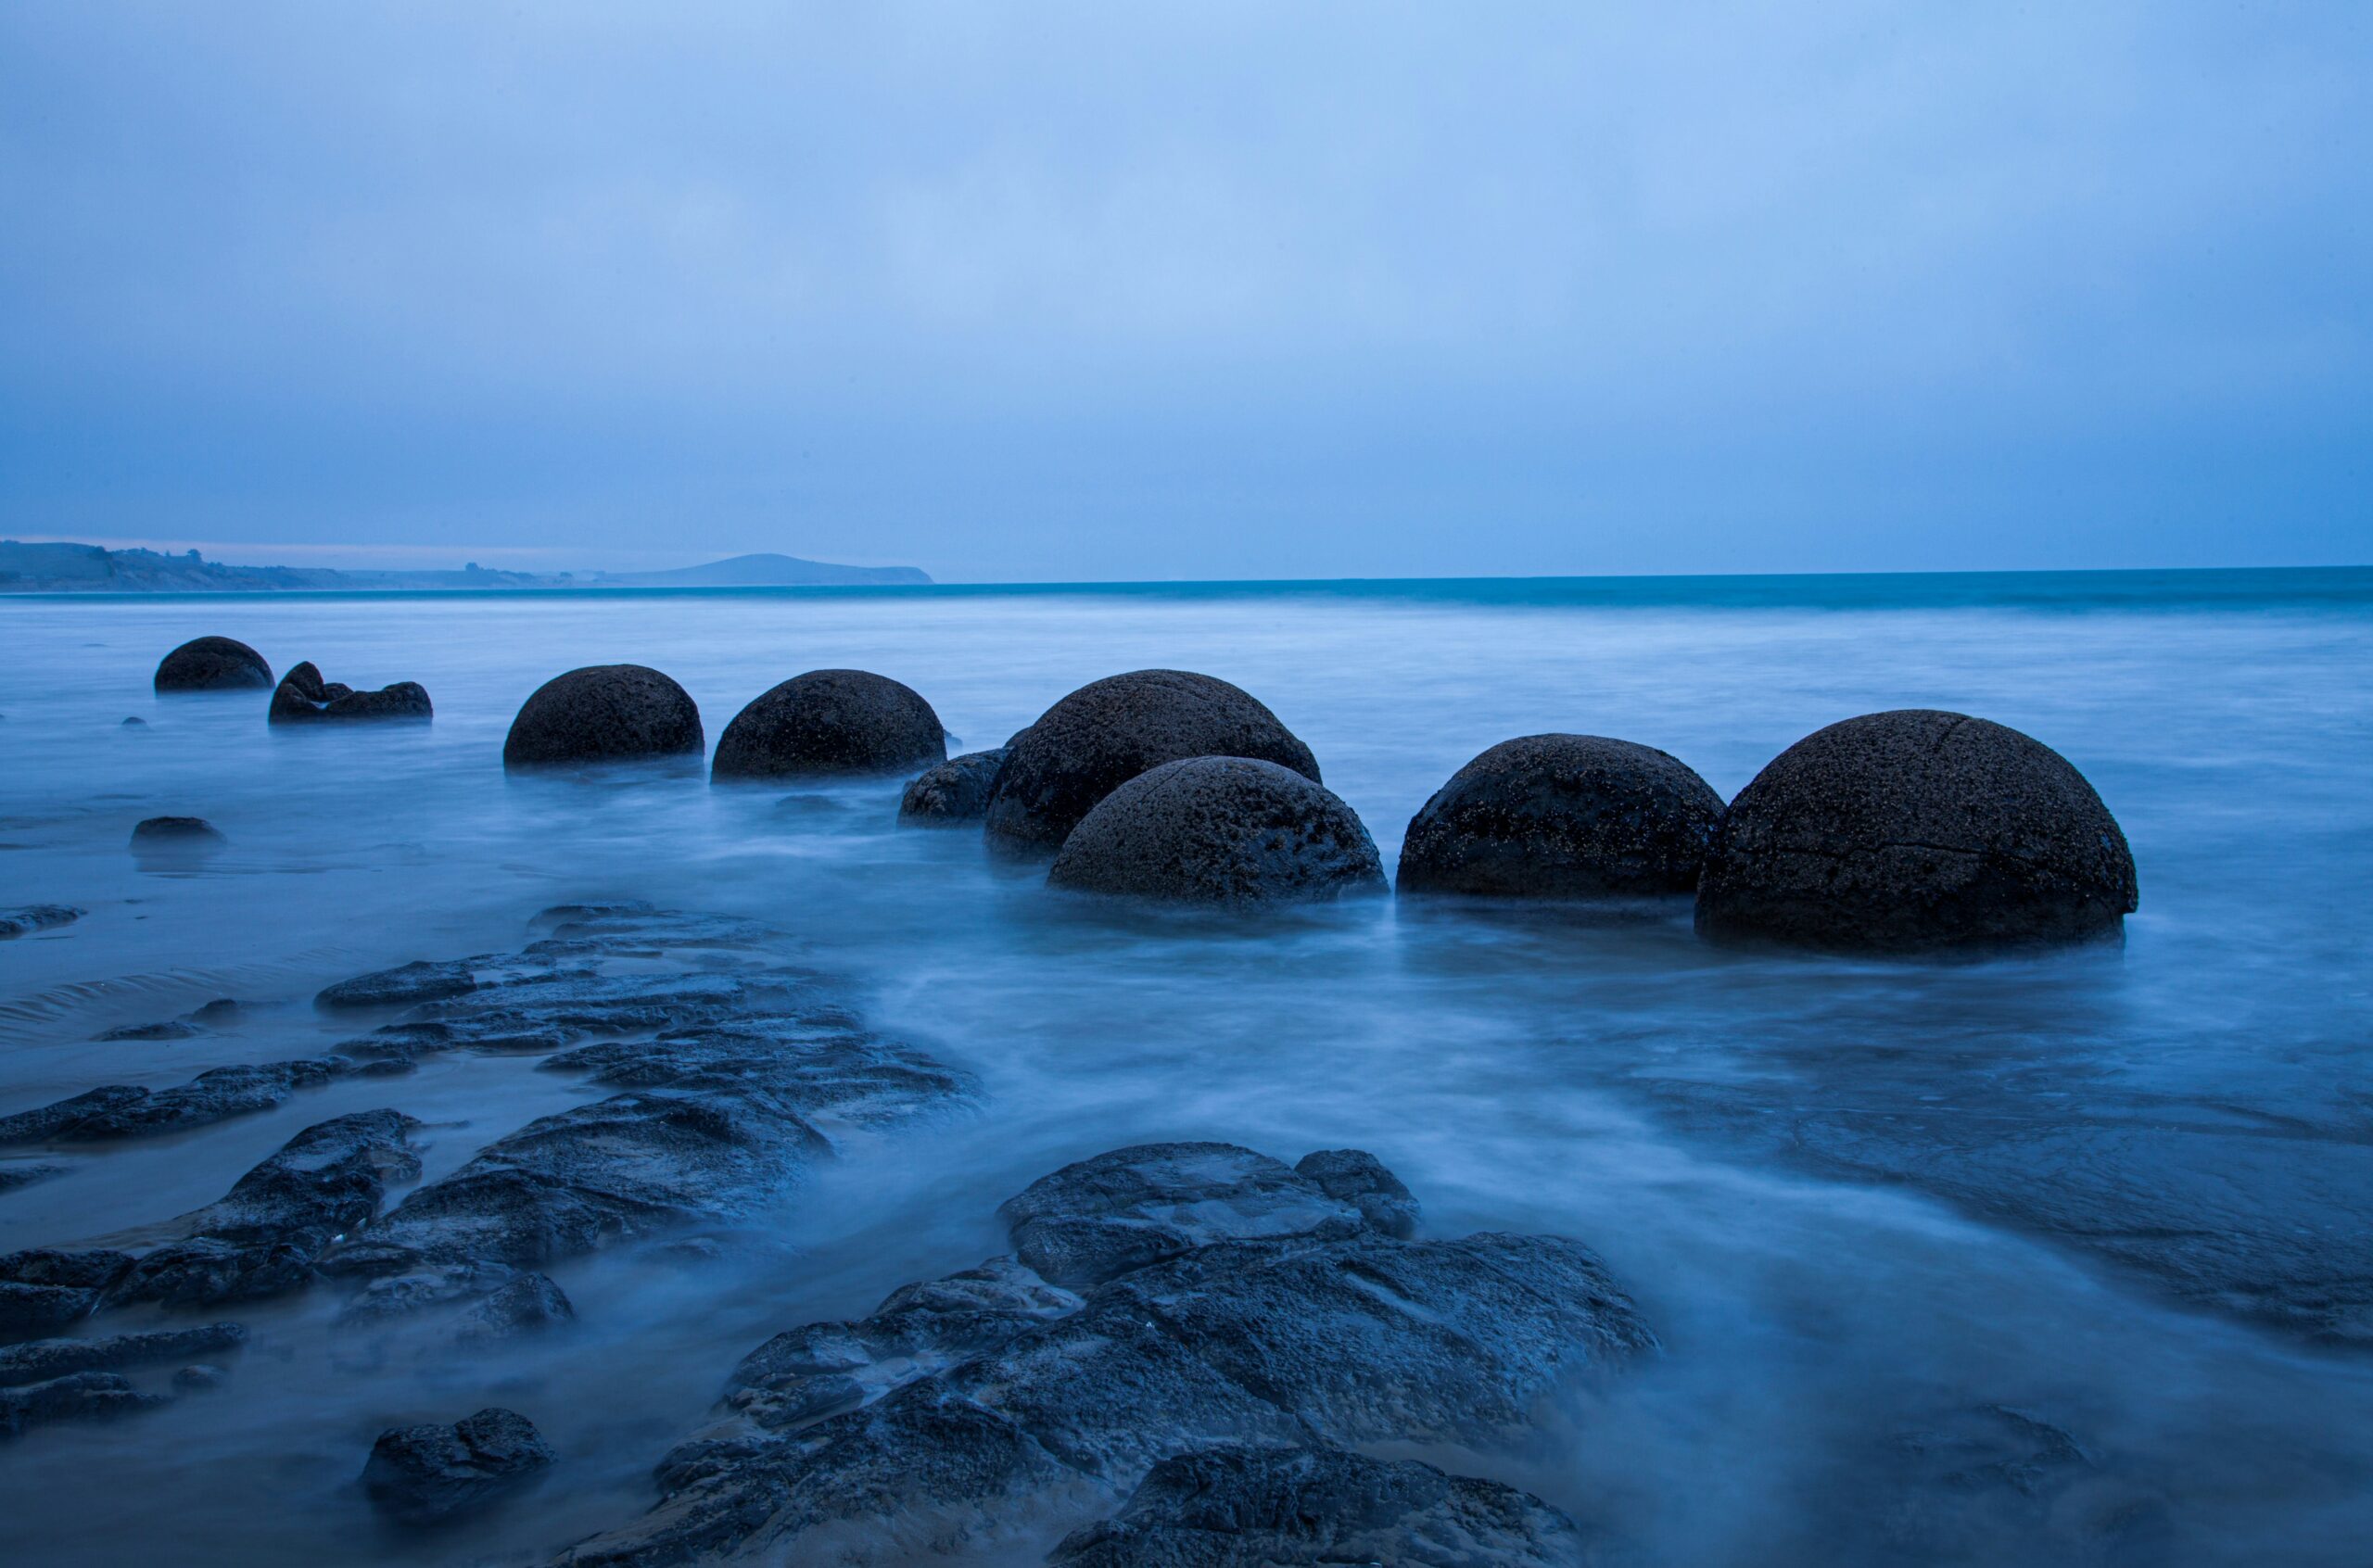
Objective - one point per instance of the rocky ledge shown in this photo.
(1173, 1309)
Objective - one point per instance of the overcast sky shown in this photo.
(1206, 290)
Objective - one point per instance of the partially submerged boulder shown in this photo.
(604, 713)
(26, 918)
(426, 1475)
(213, 664)
(1284, 1507)
(1563, 816)
(827, 723)
(955, 792)
(1916, 831)
(1110, 731)
(303, 697)
(995, 1395)
(175, 832)
(1221, 830)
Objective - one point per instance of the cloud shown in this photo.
(1068, 290)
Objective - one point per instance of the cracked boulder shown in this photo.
(996, 1407)
(303, 697)
(1917, 832)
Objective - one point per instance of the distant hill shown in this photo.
(763, 571)
(81, 568)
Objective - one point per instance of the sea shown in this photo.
(2037, 1259)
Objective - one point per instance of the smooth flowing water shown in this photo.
(2127, 1195)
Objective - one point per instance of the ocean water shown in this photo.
(1891, 1220)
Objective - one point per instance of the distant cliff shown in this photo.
(763, 571)
(81, 568)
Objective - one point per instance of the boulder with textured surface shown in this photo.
(1284, 1507)
(604, 713)
(426, 1475)
(1917, 830)
(1110, 731)
(213, 664)
(1563, 816)
(827, 723)
(957, 792)
(303, 697)
(1221, 830)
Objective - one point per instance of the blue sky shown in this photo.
(1092, 291)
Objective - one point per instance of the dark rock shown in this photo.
(831, 722)
(26, 918)
(213, 664)
(15, 1174)
(199, 1378)
(604, 713)
(162, 831)
(1563, 816)
(43, 1290)
(531, 1303)
(263, 1237)
(81, 1396)
(1121, 1210)
(219, 1011)
(1358, 1178)
(1110, 731)
(956, 790)
(124, 1110)
(406, 985)
(171, 1029)
(991, 1395)
(133, 722)
(1917, 832)
(46, 1358)
(303, 697)
(1221, 830)
(426, 1475)
(1281, 1508)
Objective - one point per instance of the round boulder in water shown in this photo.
(1110, 731)
(1563, 816)
(604, 713)
(213, 664)
(955, 791)
(831, 722)
(1912, 831)
(1221, 830)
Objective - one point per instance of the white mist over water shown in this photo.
(1934, 1246)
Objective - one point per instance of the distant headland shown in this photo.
(82, 568)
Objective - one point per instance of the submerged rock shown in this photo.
(604, 713)
(1283, 1508)
(79, 1396)
(263, 1237)
(175, 832)
(26, 918)
(829, 722)
(1563, 816)
(1916, 831)
(426, 1475)
(303, 697)
(43, 1289)
(125, 1110)
(1221, 830)
(46, 1359)
(994, 1395)
(213, 664)
(958, 791)
(1110, 731)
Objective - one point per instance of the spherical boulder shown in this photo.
(213, 664)
(1916, 831)
(1221, 830)
(1563, 816)
(957, 792)
(604, 713)
(1110, 731)
(831, 722)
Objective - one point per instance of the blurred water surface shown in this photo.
(1858, 1201)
